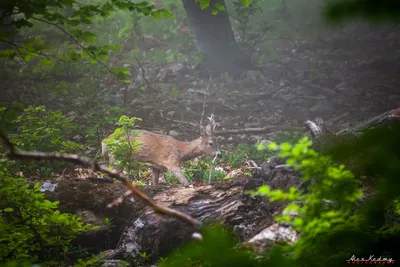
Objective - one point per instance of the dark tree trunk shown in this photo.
(215, 39)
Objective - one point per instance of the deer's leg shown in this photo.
(155, 173)
(178, 173)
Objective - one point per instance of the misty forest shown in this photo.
(199, 133)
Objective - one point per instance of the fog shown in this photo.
(296, 67)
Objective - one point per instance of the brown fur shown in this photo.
(166, 152)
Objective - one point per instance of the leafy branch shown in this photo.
(90, 53)
(46, 11)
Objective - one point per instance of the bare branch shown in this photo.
(95, 166)
(143, 72)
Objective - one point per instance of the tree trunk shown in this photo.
(215, 39)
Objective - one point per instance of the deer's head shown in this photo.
(209, 143)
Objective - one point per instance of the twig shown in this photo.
(95, 166)
(143, 72)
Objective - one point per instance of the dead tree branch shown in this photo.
(260, 130)
(95, 166)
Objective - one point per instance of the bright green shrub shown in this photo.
(121, 147)
(47, 131)
(31, 227)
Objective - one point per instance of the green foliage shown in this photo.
(196, 171)
(122, 146)
(91, 262)
(70, 17)
(48, 131)
(31, 227)
(331, 184)
(332, 222)
(243, 153)
(42, 130)
(333, 217)
(8, 113)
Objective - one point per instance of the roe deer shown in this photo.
(167, 153)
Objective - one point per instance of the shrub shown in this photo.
(335, 221)
(46, 131)
(31, 227)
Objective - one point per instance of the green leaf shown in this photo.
(285, 146)
(166, 13)
(143, 3)
(25, 186)
(27, 57)
(273, 146)
(246, 3)
(36, 186)
(214, 12)
(124, 71)
(156, 14)
(47, 61)
(9, 209)
(220, 7)
(264, 190)
(88, 36)
(73, 22)
(204, 4)
(146, 10)
(9, 53)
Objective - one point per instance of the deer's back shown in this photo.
(160, 150)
